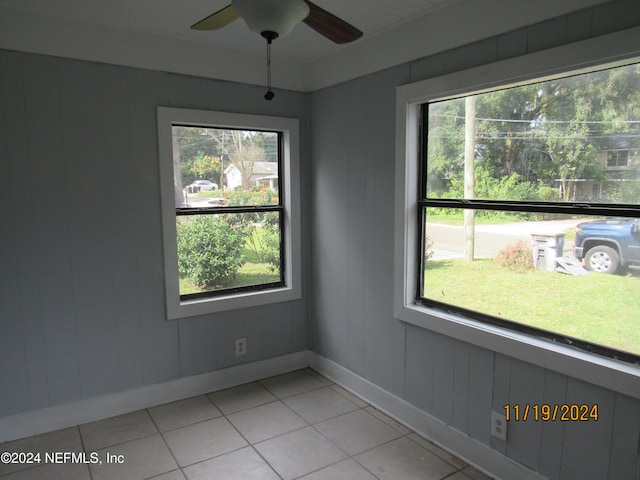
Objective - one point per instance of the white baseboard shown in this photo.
(62, 416)
(92, 409)
(461, 445)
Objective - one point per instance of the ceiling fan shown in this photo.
(275, 18)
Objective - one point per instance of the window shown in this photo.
(617, 158)
(501, 185)
(507, 177)
(230, 218)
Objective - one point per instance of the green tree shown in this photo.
(541, 133)
(207, 167)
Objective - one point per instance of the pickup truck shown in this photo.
(608, 245)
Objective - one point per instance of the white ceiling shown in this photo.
(155, 34)
(173, 18)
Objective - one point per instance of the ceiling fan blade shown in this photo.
(220, 19)
(332, 27)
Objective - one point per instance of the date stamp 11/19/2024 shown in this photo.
(567, 412)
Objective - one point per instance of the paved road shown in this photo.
(448, 240)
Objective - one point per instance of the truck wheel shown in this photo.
(602, 259)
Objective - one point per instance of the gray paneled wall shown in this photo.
(353, 135)
(81, 267)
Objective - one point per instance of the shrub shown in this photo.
(517, 257)
(271, 249)
(257, 195)
(271, 245)
(210, 249)
(265, 239)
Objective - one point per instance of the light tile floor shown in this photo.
(293, 426)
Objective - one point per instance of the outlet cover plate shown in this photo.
(241, 346)
(498, 426)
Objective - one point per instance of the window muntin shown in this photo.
(229, 234)
(539, 155)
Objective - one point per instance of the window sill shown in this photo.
(222, 303)
(608, 373)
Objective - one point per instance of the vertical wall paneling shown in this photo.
(358, 236)
(460, 385)
(547, 34)
(482, 52)
(389, 359)
(82, 314)
(526, 387)
(455, 59)
(501, 393)
(197, 345)
(159, 343)
(207, 342)
(579, 25)
(353, 205)
(300, 331)
(229, 326)
(625, 439)
(587, 445)
(512, 44)
(25, 278)
(13, 365)
(51, 193)
(419, 384)
(122, 217)
(374, 243)
(84, 171)
(278, 333)
(443, 376)
(555, 393)
(615, 15)
(455, 382)
(480, 396)
(329, 224)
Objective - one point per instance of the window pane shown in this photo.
(513, 274)
(573, 139)
(218, 252)
(223, 167)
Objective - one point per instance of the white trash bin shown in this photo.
(547, 247)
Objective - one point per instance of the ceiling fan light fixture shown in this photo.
(279, 16)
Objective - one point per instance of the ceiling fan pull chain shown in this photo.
(269, 95)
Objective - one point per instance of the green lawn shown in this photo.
(598, 308)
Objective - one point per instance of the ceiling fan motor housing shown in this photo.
(274, 16)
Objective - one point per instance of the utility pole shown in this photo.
(180, 197)
(469, 149)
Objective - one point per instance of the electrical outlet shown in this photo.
(498, 426)
(241, 346)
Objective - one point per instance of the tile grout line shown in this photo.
(361, 406)
(164, 440)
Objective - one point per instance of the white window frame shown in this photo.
(612, 50)
(289, 127)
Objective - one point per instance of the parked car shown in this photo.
(202, 185)
(608, 245)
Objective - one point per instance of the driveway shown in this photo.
(448, 240)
